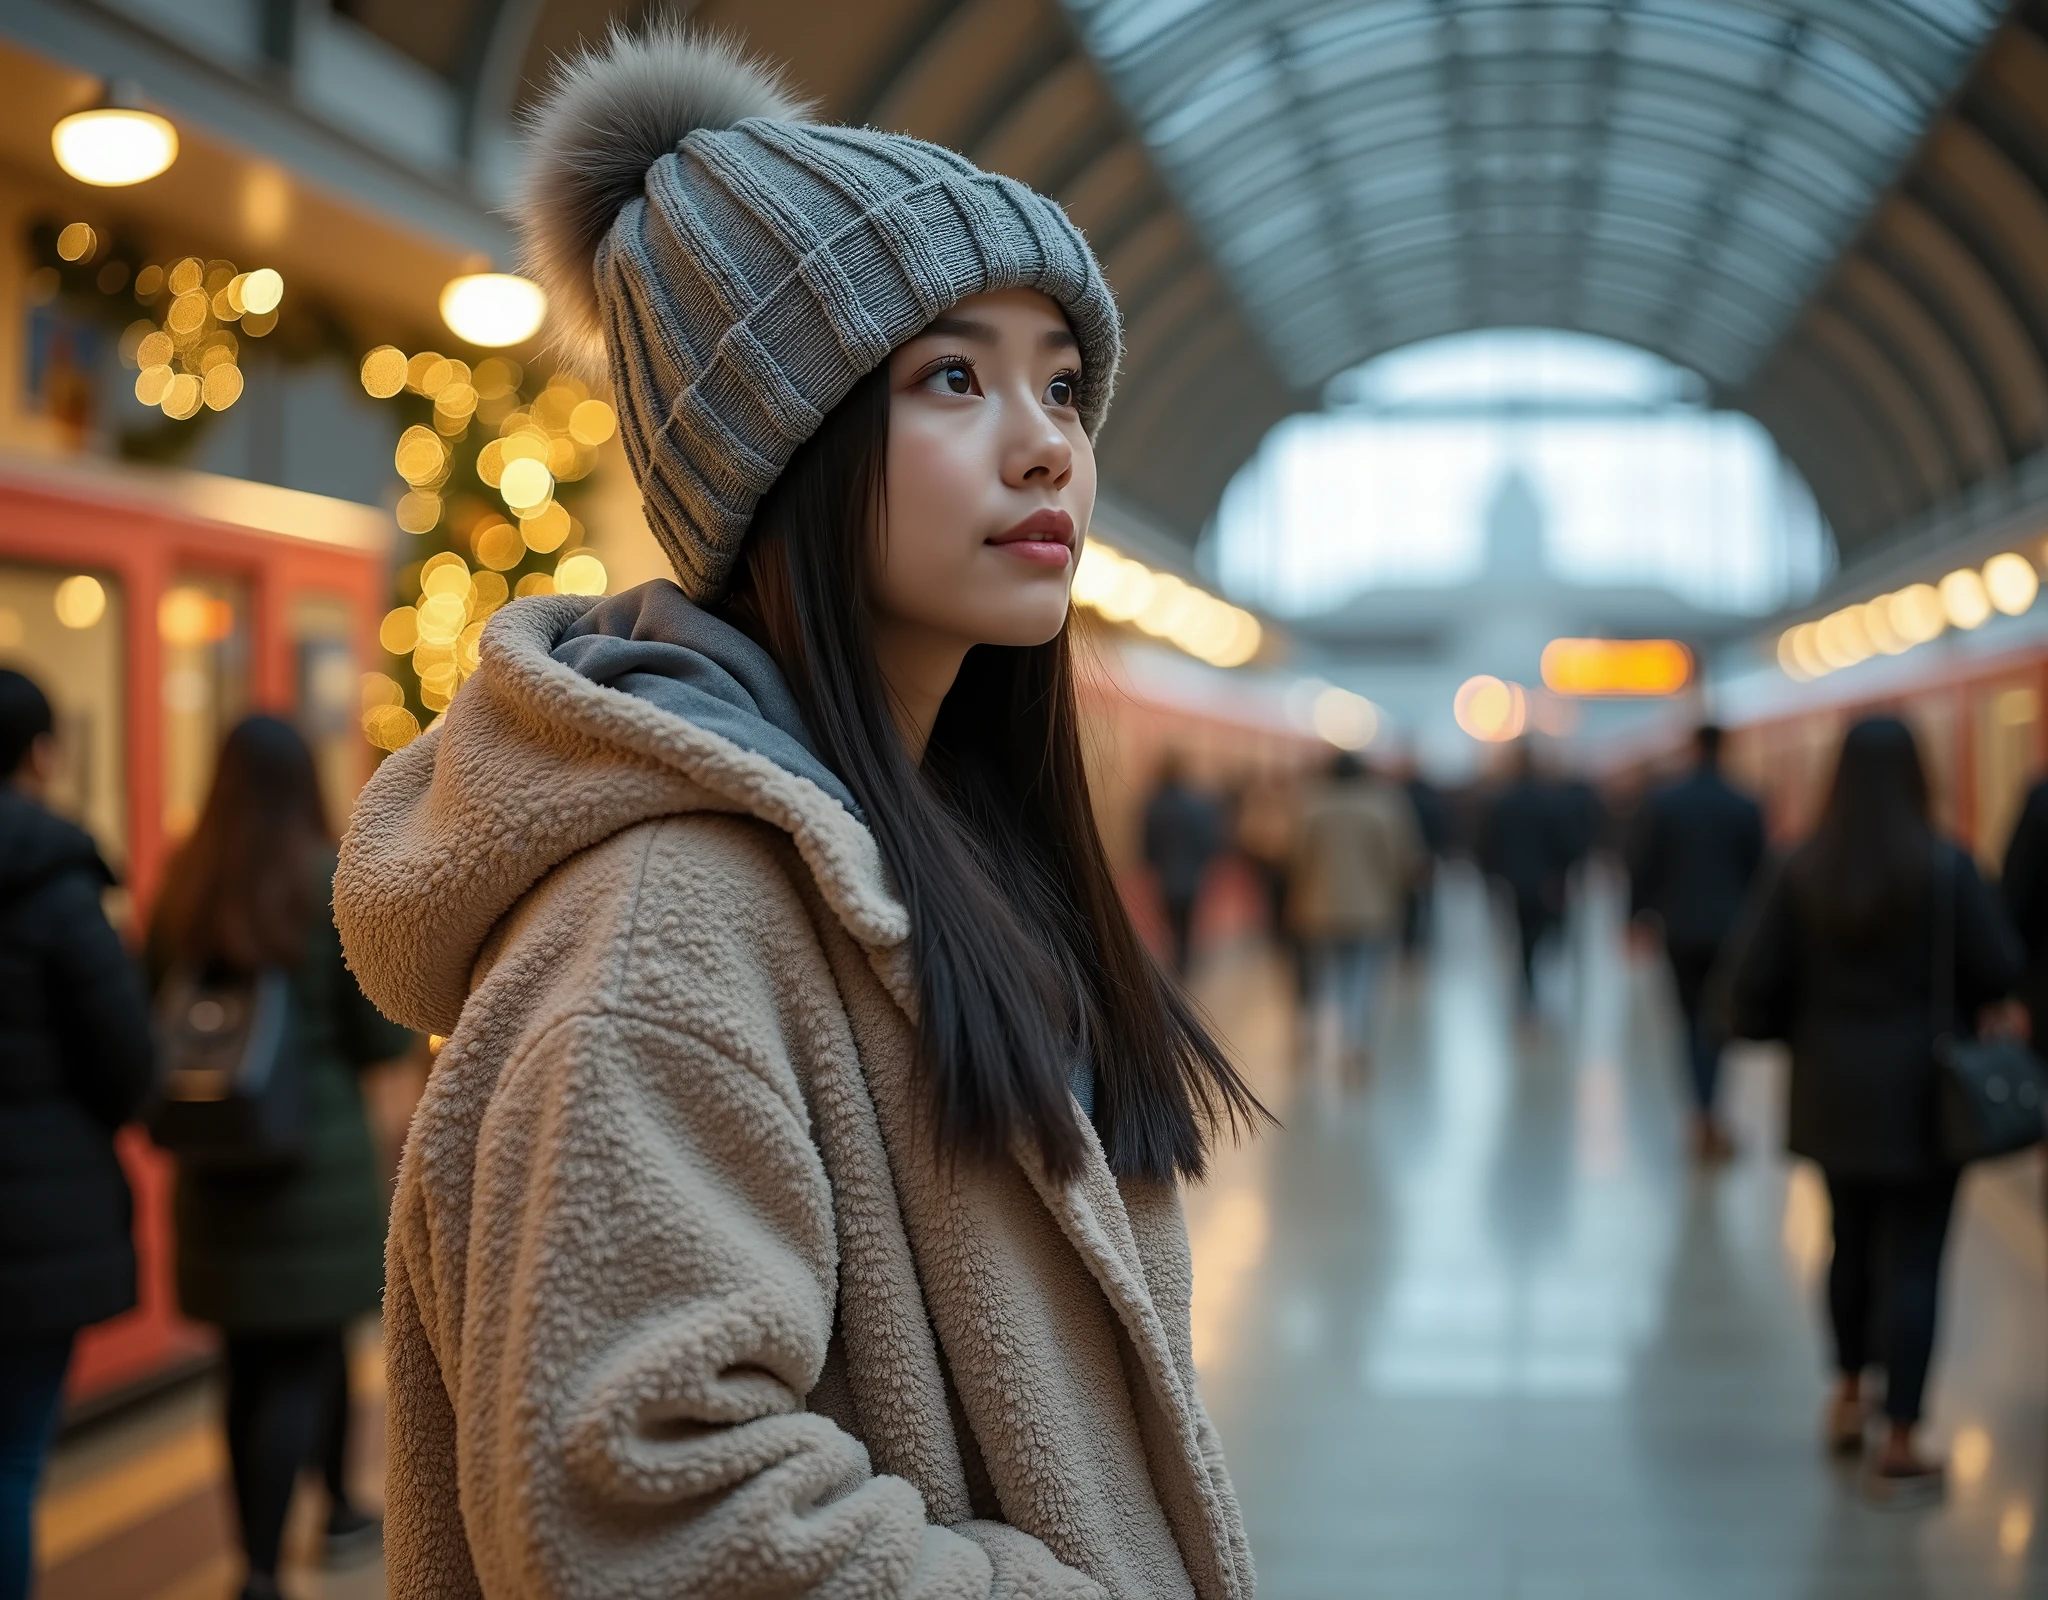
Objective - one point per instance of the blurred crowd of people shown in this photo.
(280, 1204)
(1870, 948)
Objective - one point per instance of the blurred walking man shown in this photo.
(1356, 852)
(1698, 846)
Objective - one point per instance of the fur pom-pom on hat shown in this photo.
(610, 114)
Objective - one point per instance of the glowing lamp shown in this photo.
(1963, 599)
(111, 146)
(493, 308)
(2010, 583)
(1490, 710)
(1634, 668)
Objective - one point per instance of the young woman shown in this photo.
(1841, 963)
(792, 1208)
(281, 1261)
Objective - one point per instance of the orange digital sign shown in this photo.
(1618, 667)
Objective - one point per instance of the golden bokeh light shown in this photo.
(400, 630)
(421, 458)
(380, 689)
(183, 397)
(384, 372)
(79, 602)
(546, 530)
(151, 382)
(419, 511)
(1490, 709)
(223, 385)
(534, 583)
(390, 727)
(499, 544)
(1963, 600)
(77, 241)
(487, 591)
(525, 484)
(580, 573)
(592, 422)
(2011, 583)
(262, 291)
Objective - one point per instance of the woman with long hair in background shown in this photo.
(1841, 962)
(793, 1207)
(281, 1260)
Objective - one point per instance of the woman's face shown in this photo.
(991, 478)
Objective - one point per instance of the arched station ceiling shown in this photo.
(1833, 210)
(1009, 83)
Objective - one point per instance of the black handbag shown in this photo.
(228, 1093)
(1990, 1095)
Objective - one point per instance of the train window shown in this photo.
(323, 641)
(63, 628)
(203, 629)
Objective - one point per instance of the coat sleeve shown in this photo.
(1989, 959)
(2024, 882)
(97, 1003)
(1645, 858)
(646, 1299)
(1759, 983)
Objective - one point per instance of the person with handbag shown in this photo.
(1872, 940)
(280, 1242)
(74, 1062)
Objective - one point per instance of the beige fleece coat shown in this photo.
(680, 1300)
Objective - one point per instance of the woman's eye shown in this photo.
(955, 377)
(1061, 391)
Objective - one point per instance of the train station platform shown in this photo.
(1473, 1327)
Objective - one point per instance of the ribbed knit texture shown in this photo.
(771, 265)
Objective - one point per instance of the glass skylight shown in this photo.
(1678, 174)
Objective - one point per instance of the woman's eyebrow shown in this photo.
(1060, 339)
(963, 328)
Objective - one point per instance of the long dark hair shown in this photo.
(1026, 960)
(240, 892)
(1866, 869)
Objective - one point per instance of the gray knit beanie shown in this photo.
(742, 268)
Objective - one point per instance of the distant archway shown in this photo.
(1634, 479)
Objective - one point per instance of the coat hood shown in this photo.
(584, 717)
(36, 845)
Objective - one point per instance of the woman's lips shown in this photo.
(1044, 536)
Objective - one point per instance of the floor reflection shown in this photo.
(1474, 1327)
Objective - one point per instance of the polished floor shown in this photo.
(1469, 1323)
(1472, 1327)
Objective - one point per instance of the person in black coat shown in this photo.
(1841, 962)
(74, 1064)
(1532, 836)
(1697, 847)
(1183, 835)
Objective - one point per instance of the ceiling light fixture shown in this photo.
(493, 309)
(115, 142)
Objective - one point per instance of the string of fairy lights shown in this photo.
(483, 478)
